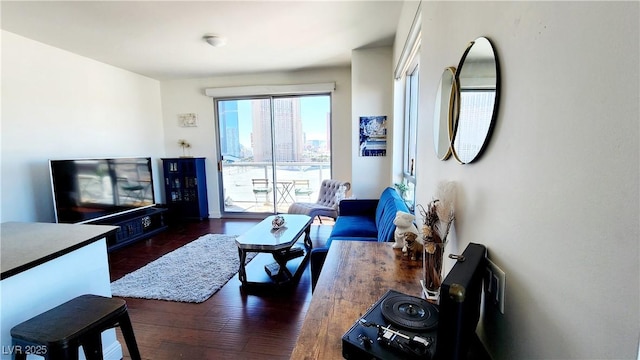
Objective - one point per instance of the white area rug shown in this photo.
(192, 273)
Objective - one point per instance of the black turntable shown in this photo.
(400, 326)
(397, 326)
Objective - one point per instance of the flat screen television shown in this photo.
(91, 189)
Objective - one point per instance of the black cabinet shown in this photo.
(185, 185)
(134, 226)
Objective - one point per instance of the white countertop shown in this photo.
(26, 245)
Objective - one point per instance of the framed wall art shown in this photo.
(373, 136)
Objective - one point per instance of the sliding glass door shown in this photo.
(273, 151)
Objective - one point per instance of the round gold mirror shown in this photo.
(478, 82)
(444, 113)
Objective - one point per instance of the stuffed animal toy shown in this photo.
(404, 223)
(412, 246)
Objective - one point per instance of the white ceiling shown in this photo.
(163, 39)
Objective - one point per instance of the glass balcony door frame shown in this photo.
(279, 192)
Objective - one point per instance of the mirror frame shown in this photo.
(439, 120)
(494, 113)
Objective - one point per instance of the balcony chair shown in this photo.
(327, 203)
(261, 187)
(301, 188)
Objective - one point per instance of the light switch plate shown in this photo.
(495, 287)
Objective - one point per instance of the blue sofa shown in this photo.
(361, 220)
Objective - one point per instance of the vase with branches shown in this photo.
(185, 145)
(437, 219)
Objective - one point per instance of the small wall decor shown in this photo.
(373, 136)
(188, 120)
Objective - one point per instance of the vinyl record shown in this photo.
(410, 312)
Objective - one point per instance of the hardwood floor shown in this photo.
(232, 324)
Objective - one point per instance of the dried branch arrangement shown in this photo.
(436, 223)
(184, 144)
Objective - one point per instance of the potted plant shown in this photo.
(401, 188)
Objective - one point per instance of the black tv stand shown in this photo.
(134, 226)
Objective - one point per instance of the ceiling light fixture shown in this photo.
(215, 40)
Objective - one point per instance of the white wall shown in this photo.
(56, 104)
(555, 197)
(187, 96)
(372, 85)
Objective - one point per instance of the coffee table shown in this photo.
(279, 262)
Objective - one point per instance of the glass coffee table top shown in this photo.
(264, 237)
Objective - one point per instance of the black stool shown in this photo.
(57, 333)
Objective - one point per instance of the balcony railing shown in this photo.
(240, 195)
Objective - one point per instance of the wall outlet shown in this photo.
(494, 285)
